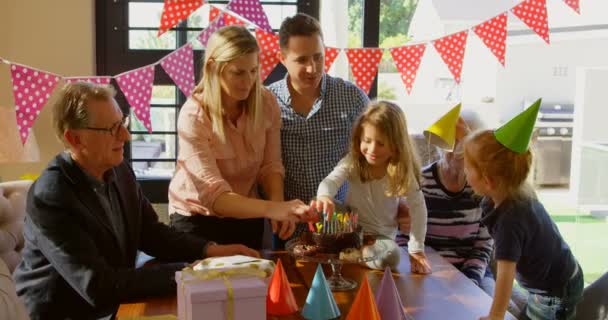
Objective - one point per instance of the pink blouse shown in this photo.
(206, 167)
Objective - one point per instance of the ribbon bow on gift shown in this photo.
(225, 275)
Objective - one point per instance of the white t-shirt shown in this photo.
(378, 212)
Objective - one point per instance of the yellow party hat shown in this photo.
(442, 133)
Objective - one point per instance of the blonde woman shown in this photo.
(381, 169)
(229, 142)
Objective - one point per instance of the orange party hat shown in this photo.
(364, 306)
(280, 300)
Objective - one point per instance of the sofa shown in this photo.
(12, 213)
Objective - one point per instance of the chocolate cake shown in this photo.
(336, 242)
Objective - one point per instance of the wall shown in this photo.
(55, 36)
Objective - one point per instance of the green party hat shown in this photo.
(515, 134)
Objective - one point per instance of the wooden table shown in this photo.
(444, 294)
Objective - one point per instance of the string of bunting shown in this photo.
(32, 87)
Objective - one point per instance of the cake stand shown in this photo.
(336, 281)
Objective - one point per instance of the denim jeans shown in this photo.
(544, 306)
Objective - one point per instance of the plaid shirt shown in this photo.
(313, 145)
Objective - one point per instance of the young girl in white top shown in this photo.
(381, 169)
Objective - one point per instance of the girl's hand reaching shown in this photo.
(323, 204)
(419, 263)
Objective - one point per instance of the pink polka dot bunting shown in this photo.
(574, 4)
(174, 11)
(231, 20)
(203, 37)
(364, 65)
(330, 56)
(92, 80)
(179, 65)
(251, 10)
(494, 34)
(534, 14)
(137, 87)
(407, 59)
(31, 89)
(451, 50)
(269, 47)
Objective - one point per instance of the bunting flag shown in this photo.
(203, 37)
(179, 65)
(251, 10)
(330, 56)
(494, 34)
(574, 4)
(229, 19)
(94, 80)
(137, 87)
(214, 12)
(174, 11)
(534, 14)
(31, 89)
(269, 48)
(407, 60)
(451, 50)
(364, 65)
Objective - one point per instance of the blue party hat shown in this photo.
(320, 302)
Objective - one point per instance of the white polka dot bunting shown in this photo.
(137, 87)
(179, 65)
(213, 12)
(574, 4)
(407, 59)
(31, 88)
(330, 56)
(251, 10)
(203, 37)
(92, 80)
(451, 49)
(494, 34)
(174, 11)
(269, 47)
(364, 65)
(534, 14)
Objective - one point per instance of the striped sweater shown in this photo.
(453, 226)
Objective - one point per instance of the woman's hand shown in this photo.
(291, 211)
(419, 263)
(220, 250)
(284, 229)
(323, 204)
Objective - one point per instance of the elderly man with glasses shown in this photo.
(87, 218)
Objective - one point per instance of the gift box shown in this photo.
(236, 262)
(220, 295)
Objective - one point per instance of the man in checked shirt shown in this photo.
(317, 111)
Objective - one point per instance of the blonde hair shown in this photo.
(224, 46)
(70, 109)
(506, 168)
(404, 165)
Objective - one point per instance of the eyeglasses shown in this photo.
(113, 130)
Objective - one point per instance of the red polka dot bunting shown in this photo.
(137, 87)
(330, 56)
(269, 47)
(251, 10)
(364, 65)
(213, 12)
(174, 11)
(451, 50)
(179, 65)
(92, 80)
(493, 33)
(203, 37)
(407, 59)
(31, 89)
(574, 4)
(534, 14)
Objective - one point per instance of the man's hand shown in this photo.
(419, 263)
(403, 217)
(219, 250)
(283, 229)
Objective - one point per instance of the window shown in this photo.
(127, 39)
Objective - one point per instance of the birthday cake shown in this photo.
(332, 235)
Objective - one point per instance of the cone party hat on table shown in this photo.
(320, 302)
(442, 133)
(280, 300)
(388, 299)
(515, 134)
(364, 306)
